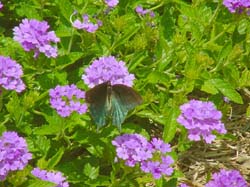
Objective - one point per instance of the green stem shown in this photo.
(70, 41)
(215, 14)
(157, 6)
(218, 36)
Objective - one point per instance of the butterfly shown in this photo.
(111, 101)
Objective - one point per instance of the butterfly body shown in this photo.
(111, 101)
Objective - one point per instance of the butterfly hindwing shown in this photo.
(123, 99)
(118, 111)
(97, 99)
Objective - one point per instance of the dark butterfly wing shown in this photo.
(123, 99)
(97, 100)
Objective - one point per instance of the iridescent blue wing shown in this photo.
(97, 100)
(123, 99)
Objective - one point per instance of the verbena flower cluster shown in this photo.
(1, 5)
(10, 74)
(111, 3)
(236, 5)
(67, 99)
(34, 35)
(201, 119)
(55, 177)
(151, 156)
(86, 24)
(14, 153)
(183, 185)
(107, 69)
(139, 10)
(224, 178)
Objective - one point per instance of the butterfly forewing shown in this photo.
(128, 97)
(96, 98)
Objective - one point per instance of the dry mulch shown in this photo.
(231, 153)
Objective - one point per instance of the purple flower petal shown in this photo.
(14, 153)
(10, 74)
(107, 69)
(33, 35)
(67, 99)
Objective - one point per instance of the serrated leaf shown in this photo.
(90, 171)
(56, 123)
(42, 144)
(227, 90)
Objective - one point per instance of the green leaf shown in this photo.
(248, 112)
(56, 125)
(209, 88)
(227, 90)
(125, 37)
(170, 125)
(91, 172)
(153, 116)
(104, 38)
(158, 77)
(225, 51)
(41, 183)
(169, 20)
(66, 8)
(244, 79)
(242, 27)
(52, 162)
(64, 31)
(40, 144)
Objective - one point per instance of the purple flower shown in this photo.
(135, 149)
(200, 119)
(183, 185)
(107, 69)
(33, 35)
(111, 3)
(158, 168)
(55, 177)
(140, 11)
(86, 24)
(236, 5)
(10, 73)
(1, 5)
(226, 100)
(67, 99)
(159, 145)
(224, 178)
(14, 153)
